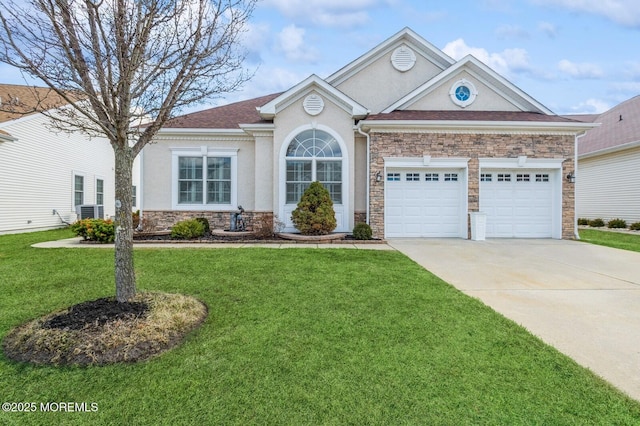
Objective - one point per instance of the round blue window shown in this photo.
(463, 93)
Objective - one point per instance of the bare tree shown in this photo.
(120, 63)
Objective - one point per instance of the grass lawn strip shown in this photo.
(611, 239)
(298, 336)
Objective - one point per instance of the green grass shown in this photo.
(297, 336)
(611, 239)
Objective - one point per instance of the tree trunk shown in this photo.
(124, 270)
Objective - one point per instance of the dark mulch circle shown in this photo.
(103, 331)
(97, 313)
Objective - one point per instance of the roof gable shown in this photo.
(405, 36)
(302, 89)
(497, 84)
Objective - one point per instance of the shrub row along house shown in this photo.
(46, 175)
(404, 138)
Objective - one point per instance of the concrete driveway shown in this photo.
(580, 298)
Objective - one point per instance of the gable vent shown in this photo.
(313, 104)
(403, 58)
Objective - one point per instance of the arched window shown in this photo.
(314, 155)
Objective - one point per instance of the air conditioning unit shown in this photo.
(90, 211)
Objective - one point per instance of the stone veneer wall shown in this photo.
(160, 220)
(473, 146)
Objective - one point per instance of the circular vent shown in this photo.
(313, 104)
(403, 58)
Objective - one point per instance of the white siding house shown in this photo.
(44, 174)
(607, 180)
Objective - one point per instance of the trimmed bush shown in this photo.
(617, 223)
(362, 231)
(205, 222)
(187, 230)
(596, 223)
(314, 214)
(98, 230)
(635, 226)
(583, 222)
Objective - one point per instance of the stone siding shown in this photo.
(160, 220)
(473, 146)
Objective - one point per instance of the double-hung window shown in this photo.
(204, 178)
(78, 190)
(100, 192)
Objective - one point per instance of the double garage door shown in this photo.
(432, 203)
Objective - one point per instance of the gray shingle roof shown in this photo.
(619, 126)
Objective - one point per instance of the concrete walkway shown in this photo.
(75, 243)
(580, 298)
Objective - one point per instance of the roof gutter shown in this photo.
(477, 126)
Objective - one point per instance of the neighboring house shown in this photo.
(404, 138)
(45, 175)
(607, 181)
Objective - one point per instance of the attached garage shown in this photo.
(522, 202)
(425, 202)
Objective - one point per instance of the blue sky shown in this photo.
(573, 56)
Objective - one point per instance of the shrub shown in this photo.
(314, 214)
(362, 231)
(135, 217)
(635, 226)
(187, 229)
(205, 222)
(583, 221)
(617, 223)
(99, 230)
(596, 223)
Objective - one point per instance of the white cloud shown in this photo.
(331, 13)
(505, 63)
(623, 12)
(591, 106)
(511, 31)
(548, 28)
(291, 42)
(583, 70)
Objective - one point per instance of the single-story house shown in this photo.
(45, 176)
(404, 138)
(607, 180)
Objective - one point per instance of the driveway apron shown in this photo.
(580, 298)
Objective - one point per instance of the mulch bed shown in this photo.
(103, 331)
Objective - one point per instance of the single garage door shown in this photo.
(518, 203)
(424, 203)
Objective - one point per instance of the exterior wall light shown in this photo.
(571, 177)
(378, 176)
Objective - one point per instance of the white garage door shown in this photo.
(423, 203)
(518, 203)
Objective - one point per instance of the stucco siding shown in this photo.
(607, 186)
(487, 99)
(37, 175)
(157, 169)
(365, 87)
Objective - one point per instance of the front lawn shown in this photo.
(295, 337)
(611, 239)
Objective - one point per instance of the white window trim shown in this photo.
(73, 189)
(347, 214)
(204, 152)
(95, 186)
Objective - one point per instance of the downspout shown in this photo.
(575, 198)
(366, 135)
